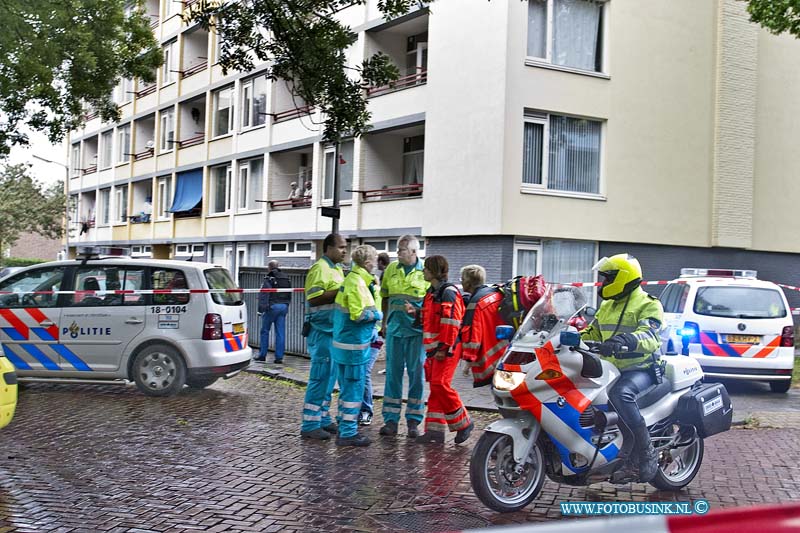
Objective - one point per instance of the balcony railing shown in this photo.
(143, 155)
(150, 89)
(405, 82)
(292, 113)
(290, 203)
(198, 138)
(91, 115)
(155, 21)
(90, 170)
(194, 69)
(392, 193)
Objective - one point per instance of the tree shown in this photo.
(60, 55)
(777, 16)
(305, 45)
(26, 205)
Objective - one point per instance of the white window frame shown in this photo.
(215, 110)
(164, 189)
(542, 188)
(182, 250)
(547, 61)
(291, 249)
(75, 163)
(104, 207)
(246, 195)
(123, 147)
(198, 249)
(212, 190)
(247, 105)
(167, 126)
(527, 246)
(121, 204)
(167, 74)
(107, 143)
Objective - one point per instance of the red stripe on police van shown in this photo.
(15, 322)
(40, 317)
(773, 344)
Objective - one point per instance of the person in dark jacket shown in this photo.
(273, 308)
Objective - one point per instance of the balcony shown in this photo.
(396, 192)
(404, 82)
(290, 203)
(197, 138)
(144, 154)
(194, 69)
(290, 114)
(148, 89)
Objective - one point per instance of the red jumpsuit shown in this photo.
(442, 311)
(479, 346)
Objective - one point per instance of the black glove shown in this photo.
(614, 345)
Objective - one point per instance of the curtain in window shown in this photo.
(574, 163)
(532, 156)
(346, 170)
(256, 171)
(188, 191)
(537, 28)
(220, 188)
(328, 192)
(223, 110)
(259, 100)
(568, 262)
(526, 263)
(413, 165)
(576, 25)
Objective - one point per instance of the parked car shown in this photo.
(735, 325)
(7, 271)
(159, 341)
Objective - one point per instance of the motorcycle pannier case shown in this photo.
(708, 408)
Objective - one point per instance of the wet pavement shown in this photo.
(229, 458)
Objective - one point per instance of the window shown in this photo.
(739, 302)
(170, 60)
(190, 249)
(526, 259)
(123, 143)
(167, 278)
(250, 177)
(107, 153)
(568, 262)
(674, 297)
(121, 203)
(220, 189)
(167, 129)
(256, 254)
(345, 171)
(413, 159)
(124, 91)
(417, 54)
(141, 251)
(164, 197)
(567, 33)
(111, 278)
(254, 102)
(75, 159)
(290, 248)
(223, 111)
(572, 148)
(172, 7)
(219, 278)
(105, 206)
(24, 284)
(73, 207)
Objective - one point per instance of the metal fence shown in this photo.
(252, 278)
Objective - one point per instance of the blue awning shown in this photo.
(188, 191)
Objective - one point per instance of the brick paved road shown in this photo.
(87, 458)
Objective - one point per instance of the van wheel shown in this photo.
(780, 386)
(201, 383)
(159, 370)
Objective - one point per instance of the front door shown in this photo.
(96, 328)
(29, 317)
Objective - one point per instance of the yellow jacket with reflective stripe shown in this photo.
(643, 318)
(354, 317)
(323, 276)
(399, 288)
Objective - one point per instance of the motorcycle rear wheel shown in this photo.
(678, 466)
(494, 479)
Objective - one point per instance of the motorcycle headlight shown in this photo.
(507, 381)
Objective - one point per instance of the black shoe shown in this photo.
(278, 361)
(331, 428)
(316, 434)
(389, 429)
(648, 464)
(413, 429)
(431, 437)
(355, 440)
(259, 359)
(463, 434)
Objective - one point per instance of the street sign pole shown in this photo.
(335, 219)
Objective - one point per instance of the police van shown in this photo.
(735, 325)
(160, 341)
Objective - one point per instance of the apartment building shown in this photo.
(528, 136)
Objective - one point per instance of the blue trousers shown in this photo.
(404, 353)
(275, 315)
(366, 402)
(321, 378)
(351, 383)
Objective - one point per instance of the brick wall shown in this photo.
(494, 253)
(33, 246)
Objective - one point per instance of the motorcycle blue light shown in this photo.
(504, 332)
(570, 338)
(687, 332)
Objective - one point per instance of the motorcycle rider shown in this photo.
(631, 318)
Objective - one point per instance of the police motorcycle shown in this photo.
(551, 389)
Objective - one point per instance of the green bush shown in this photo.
(20, 261)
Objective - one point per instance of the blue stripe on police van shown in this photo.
(14, 335)
(15, 359)
(71, 357)
(43, 334)
(40, 356)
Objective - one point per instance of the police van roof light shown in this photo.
(95, 252)
(720, 272)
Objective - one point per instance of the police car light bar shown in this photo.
(97, 251)
(723, 272)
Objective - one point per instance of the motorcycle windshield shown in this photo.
(551, 312)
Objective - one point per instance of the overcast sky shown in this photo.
(45, 172)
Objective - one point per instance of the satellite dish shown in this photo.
(150, 144)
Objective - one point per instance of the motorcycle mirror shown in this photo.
(504, 332)
(570, 338)
(589, 312)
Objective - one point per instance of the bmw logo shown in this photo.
(742, 326)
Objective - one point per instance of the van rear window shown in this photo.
(218, 278)
(739, 302)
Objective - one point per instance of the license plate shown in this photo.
(238, 328)
(742, 339)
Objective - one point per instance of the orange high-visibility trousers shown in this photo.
(445, 408)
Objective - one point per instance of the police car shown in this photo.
(161, 341)
(735, 325)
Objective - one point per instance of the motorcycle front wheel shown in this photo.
(496, 478)
(678, 465)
